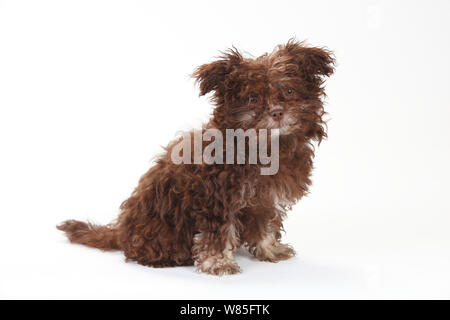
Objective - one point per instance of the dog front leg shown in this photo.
(262, 234)
(268, 247)
(213, 252)
(271, 249)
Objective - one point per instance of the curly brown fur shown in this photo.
(200, 213)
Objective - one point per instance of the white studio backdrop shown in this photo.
(91, 90)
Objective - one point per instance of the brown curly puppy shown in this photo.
(184, 214)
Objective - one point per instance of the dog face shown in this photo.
(282, 89)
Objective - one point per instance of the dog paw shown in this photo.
(274, 252)
(219, 267)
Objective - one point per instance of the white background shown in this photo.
(90, 90)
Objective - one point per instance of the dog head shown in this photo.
(283, 89)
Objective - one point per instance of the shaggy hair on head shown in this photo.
(185, 214)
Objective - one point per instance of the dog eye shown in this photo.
(253, 99)
(289, 91)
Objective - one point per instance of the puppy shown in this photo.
(201, 213)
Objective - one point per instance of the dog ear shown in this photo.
(212, 76)
(313, 63)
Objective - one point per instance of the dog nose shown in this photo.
(277, 114)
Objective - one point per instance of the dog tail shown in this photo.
(101, 237)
